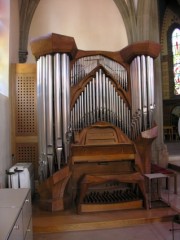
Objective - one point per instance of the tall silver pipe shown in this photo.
(132, 86)
(41, 103)
(49, 113)
(144, 91)
(139, 92)
(58, 108)
(65, 71)
(100, 94)
(150, 78)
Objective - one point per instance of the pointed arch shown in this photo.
(127, 11)
(172, 84)
(26, 12)
(139, 22)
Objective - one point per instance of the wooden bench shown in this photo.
(157, 169)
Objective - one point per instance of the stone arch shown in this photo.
(137, 21)
(26, 12)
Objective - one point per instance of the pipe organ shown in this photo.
(95, 122)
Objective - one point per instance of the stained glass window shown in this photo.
(176, 59)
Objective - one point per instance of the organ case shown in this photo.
(96, 117)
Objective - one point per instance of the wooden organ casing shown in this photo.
(104, 155)
(96, 118)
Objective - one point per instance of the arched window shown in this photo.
(176, 59)
(173, 58)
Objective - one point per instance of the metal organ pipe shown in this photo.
(53, 101)
(65, 69)
(43, 168)
(150, 78)
(99, 101)
(142, 88)
(58, 108)
(49, 113)
(84, 66)
(144, 91)
(42, 112)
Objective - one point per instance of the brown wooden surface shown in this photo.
(69, 220)
(97, 164)
(51, 191)
(143, 148)
(85, 208)
(53, 43)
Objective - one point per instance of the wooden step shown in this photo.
(69, 220)
(137, 204)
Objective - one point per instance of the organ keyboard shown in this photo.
(104, 154)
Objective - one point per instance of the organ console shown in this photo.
(96, 124)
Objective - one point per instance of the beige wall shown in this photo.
(9, 53)
(95, 25)
(4, 89)
(5, 158)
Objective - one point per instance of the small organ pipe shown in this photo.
(94, 98)
(90, 102)
(97, 96)
(104, 90)
(107, 100)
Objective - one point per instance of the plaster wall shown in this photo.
(95, 25)
(9, 53)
